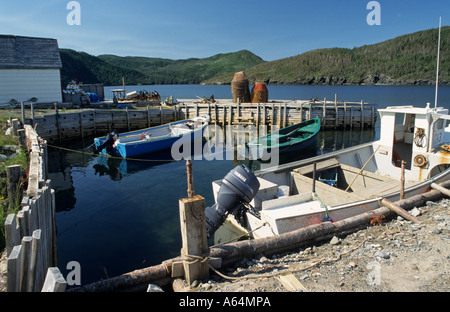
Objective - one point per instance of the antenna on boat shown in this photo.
(437, 66)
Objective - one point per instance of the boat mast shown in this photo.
(437, 66)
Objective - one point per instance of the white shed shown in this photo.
(29, 70)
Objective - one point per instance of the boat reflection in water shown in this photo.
(116, 167)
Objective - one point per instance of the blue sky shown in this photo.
(179, 29)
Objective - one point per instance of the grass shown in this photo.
(22, 160)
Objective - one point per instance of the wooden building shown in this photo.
(29, 70)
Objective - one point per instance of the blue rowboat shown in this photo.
(155, 139)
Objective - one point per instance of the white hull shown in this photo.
(366, 174)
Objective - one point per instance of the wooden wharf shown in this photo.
(96, 121)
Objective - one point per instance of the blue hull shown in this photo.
(141, 147)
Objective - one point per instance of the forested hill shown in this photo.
(405, 60)
(109, 69)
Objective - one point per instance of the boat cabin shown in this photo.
(412, 135)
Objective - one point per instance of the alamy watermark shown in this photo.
(74, 16)
(374, 16)
(74, 276)
(229, 143)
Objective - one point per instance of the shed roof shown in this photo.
(17, 52)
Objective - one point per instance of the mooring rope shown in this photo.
(82, 151)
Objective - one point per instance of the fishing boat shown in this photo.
(411, 154)
(290, 139)
(154, 139)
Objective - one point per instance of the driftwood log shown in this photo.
(233, 252)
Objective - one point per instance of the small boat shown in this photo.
(290, 139)
(154, 139)
(412, 153)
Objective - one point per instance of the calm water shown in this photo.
(117, 216)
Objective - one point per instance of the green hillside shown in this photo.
(90, 69)
(109, 69)
(405, 60)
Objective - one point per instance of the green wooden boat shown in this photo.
(293, 138)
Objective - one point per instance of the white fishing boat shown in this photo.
(354, 180)
(412, 154)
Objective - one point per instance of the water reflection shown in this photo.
(116, 168)
(108, 206)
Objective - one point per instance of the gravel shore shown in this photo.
(396, 256)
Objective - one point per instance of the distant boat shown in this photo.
(293, 138)
(155, 139)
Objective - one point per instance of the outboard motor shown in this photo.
(238, 188)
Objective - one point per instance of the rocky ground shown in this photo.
(397, 256)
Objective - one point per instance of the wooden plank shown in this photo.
(14, 265)
(291, 283)
(441, 189)
(54, 281)
(398, 210)
(12, 233)
(329, 163)
(34, 260)
(26, 246)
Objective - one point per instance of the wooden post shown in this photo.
(362, 115)
(264, 114)
(35, 244)
(32, 114)
(128, 119)
(373, 118)
(123, 84)
(238, 110)
(193, 232)
(54, 281)
(441, 189)
(54, 245)
(402, 181)
(351, 116)
(26, 246)
(22, 138)
(15, 126)
(15, 262)
(301, 112)
(345, 115)
(12, 181)
(81, 128)
(279, 116)
(190, 179)
(398, 210)
(324, 113)
(95, 123)
(272, 118)
(22, 106)
(257, 115)
(12, 233)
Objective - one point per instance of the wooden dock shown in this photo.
(62, 126)
(282, 113)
